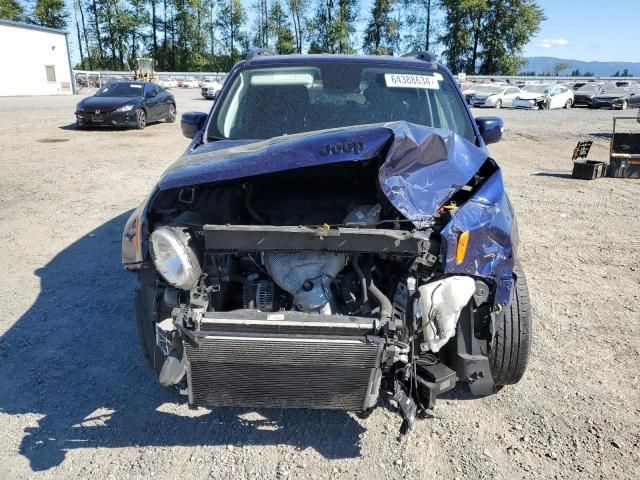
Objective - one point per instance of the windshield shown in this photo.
(536, 88)
(120, 90)
(489, 89)
(589, 88)
(264, 103)
(618, 91)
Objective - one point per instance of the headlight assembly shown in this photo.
(125, 108)
(174, 259)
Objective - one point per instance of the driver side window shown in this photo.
(151, 91)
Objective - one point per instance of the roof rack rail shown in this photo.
(421, 55)
(259, 52)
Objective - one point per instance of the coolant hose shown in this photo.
(363, 280)
(386, 309)
(248, 187)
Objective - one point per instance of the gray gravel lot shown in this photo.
(77, 400)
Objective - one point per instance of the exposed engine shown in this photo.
(288, 299)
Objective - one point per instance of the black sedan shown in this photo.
(584, 95)
(619, 98)
(126, 104)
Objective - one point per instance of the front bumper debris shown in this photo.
(107, 119)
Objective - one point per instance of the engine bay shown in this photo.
(317, 258)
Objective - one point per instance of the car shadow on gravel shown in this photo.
(73, 360)
(552, 174)
(107, 128)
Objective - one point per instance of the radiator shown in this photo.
(283, 371)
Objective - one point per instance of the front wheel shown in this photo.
(141, 119)
(150, 309)
(624, 106)
(499, 104)
(568, 104)
(511, 344)
(171, 118)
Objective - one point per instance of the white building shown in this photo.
(34, 60)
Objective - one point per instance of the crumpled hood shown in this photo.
(530, 95)
(422, 166)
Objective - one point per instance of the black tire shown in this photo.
(172, 114)
(499, 104)
(141, 119)
(511, 343)
(147, 302)
(568, 104)
(625, 105)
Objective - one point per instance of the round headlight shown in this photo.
(173, 258)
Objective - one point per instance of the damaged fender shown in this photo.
(493, 238)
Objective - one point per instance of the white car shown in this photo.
(494, 96)
(168, 82)
(191, 82)
(210, 88)
(535, 97)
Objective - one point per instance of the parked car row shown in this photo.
(538, 97)
(618, 95)
(189, 82)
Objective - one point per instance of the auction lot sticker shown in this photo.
(402, 80)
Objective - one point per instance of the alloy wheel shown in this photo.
(141, 119)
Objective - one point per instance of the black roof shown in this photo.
(305, 59)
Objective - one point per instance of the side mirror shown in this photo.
(491, 128)
(192, 122)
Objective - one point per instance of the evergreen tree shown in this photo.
(418, 24)
(509, 26)
(50, 13)
(11, 10)
(381, 36)
(489, 34)
(281, 29)
(297, 9)
(231, 18)
(333, 27)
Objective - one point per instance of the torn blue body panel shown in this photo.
(210, 163)
(493, 238)
(424, 167)
(421, 168)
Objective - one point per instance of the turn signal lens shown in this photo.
(463, 242)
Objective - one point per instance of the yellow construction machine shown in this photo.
(145, 69)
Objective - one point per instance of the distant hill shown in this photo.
(601, 69)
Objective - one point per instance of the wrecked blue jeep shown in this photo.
(335, 232)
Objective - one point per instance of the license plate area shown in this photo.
(97, 118)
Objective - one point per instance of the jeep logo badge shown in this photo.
(335, 148)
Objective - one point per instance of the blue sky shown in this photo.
(601, 30)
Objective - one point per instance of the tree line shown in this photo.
(471, 36)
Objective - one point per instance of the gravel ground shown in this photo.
(77, 400)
